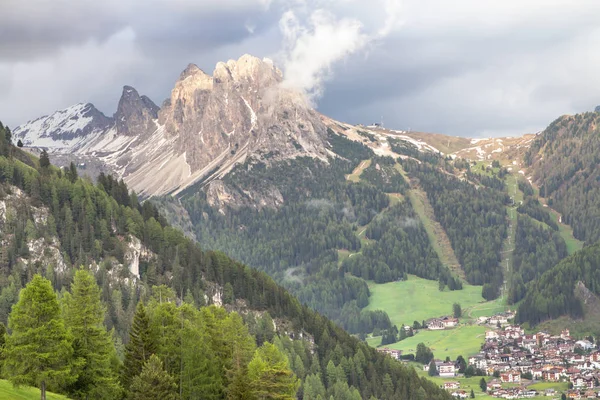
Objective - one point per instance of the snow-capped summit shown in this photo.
(65, 130)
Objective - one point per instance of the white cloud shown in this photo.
(313, 46)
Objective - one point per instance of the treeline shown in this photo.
(565, 159)
(474, 219)
(175, 261)
(553, 294)
(537, 249)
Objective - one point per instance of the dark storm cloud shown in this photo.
(466, 67)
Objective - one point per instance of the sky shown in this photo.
(475, 68)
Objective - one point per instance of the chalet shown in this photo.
(552, 375)
(478, 361)
(435, 324)
(449, 322)
(451, 385)
(489, 335)
(511, 377)
(395, 354)
(447, 370)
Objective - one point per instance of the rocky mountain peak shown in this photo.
(190, 70)
(69, 125)
(206, 126)
(135, 114)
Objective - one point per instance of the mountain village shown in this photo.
(511, 361)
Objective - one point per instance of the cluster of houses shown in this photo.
(509, 354)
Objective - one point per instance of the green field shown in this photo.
(417, 299)
(559, 386)
(23, 393)
(464, 340)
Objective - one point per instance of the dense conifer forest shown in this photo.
(474, 219)
(312, 244)
(565, 160)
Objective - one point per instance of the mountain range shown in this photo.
(244, 164)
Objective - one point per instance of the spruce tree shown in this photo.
(39, 350)
(153, 383)
(142, 344)
(84, 316)
(44, 159)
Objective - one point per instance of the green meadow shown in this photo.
(7, 391)
(417, 299)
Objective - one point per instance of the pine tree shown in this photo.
(44, 159)
(483, 385)
(84, 316)
(472, 394)
(39, 350)
(153, 383)
(19, 143)
(270, 375)
(142, 344)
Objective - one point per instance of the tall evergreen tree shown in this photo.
(270, 375)
(142, 344)
(153, 383)
(39, 350)
(44, 159)
(84, 316)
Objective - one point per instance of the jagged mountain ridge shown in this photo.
(207, 125)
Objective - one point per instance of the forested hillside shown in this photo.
(104, 332)
(553, 294)
(537, 249)
(329, 235)
(474, 219)
(564, 161)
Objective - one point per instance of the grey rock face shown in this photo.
(135, 114)
(207, 126)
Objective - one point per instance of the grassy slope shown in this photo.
(7, 391)
(417, 299)
(464, 340)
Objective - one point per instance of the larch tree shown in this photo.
(93, 346)
(270, 375)
(39, 350)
